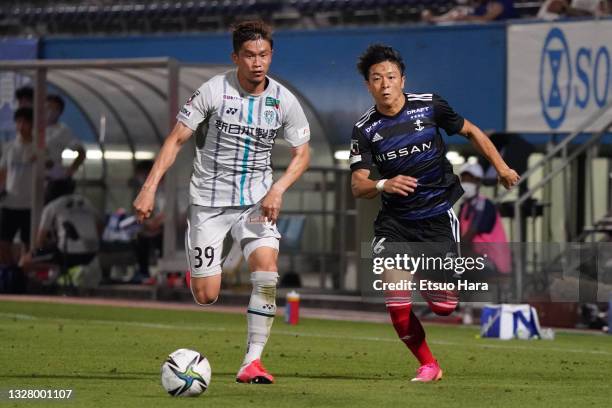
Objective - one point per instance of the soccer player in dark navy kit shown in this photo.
(401, 136)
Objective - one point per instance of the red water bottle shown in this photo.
(292, 308)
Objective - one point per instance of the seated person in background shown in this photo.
(480, 222)
(555, 9)
(58, 138)
(16, 174)
(150, 236)
(68, 234)
(493, 10)
(462, 9)
(482, 11)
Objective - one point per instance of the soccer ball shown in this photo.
(185, 373)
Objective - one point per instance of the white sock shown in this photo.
(260, 313)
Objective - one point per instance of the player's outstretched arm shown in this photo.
(363, 187)
(81, 155)
(507, 176)
(272, 202)
(145, 201)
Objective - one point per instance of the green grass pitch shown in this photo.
(111, 357)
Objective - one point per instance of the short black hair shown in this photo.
(57, 99)
(250, 31)
(24, 92)
(24, 113)
(377, 53)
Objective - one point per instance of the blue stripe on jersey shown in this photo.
(250, 117)
(244, 169)
(245, 158)
(432, 175)
(424, 212)
(217, 146)
(254, 158)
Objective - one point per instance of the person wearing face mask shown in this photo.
(58, 138)
(480, 222)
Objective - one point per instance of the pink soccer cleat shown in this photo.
(428, 372)
(254, 373)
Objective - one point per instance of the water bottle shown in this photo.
(292, 308)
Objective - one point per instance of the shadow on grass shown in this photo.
(136, 375)
(324, 376)
(156, 374)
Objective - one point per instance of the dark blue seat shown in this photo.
(291, 228)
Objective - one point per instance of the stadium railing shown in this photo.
(550, 172)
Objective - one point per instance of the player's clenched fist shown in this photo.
(144, 203)
(271, 205)
(402, 185)
(509, 178)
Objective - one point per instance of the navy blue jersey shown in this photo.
(410, 144)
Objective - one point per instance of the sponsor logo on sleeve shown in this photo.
(304, 132)
(354, 147)
(185, 112)
(195, 94)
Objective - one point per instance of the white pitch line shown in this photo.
(18, 316)
(312, 335)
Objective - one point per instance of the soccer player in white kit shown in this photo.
(236, 117)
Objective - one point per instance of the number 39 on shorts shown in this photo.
(208, 253)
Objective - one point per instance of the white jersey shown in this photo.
(18, 161)
(73, 219)
(235, 132)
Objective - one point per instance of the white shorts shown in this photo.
(208, 226)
